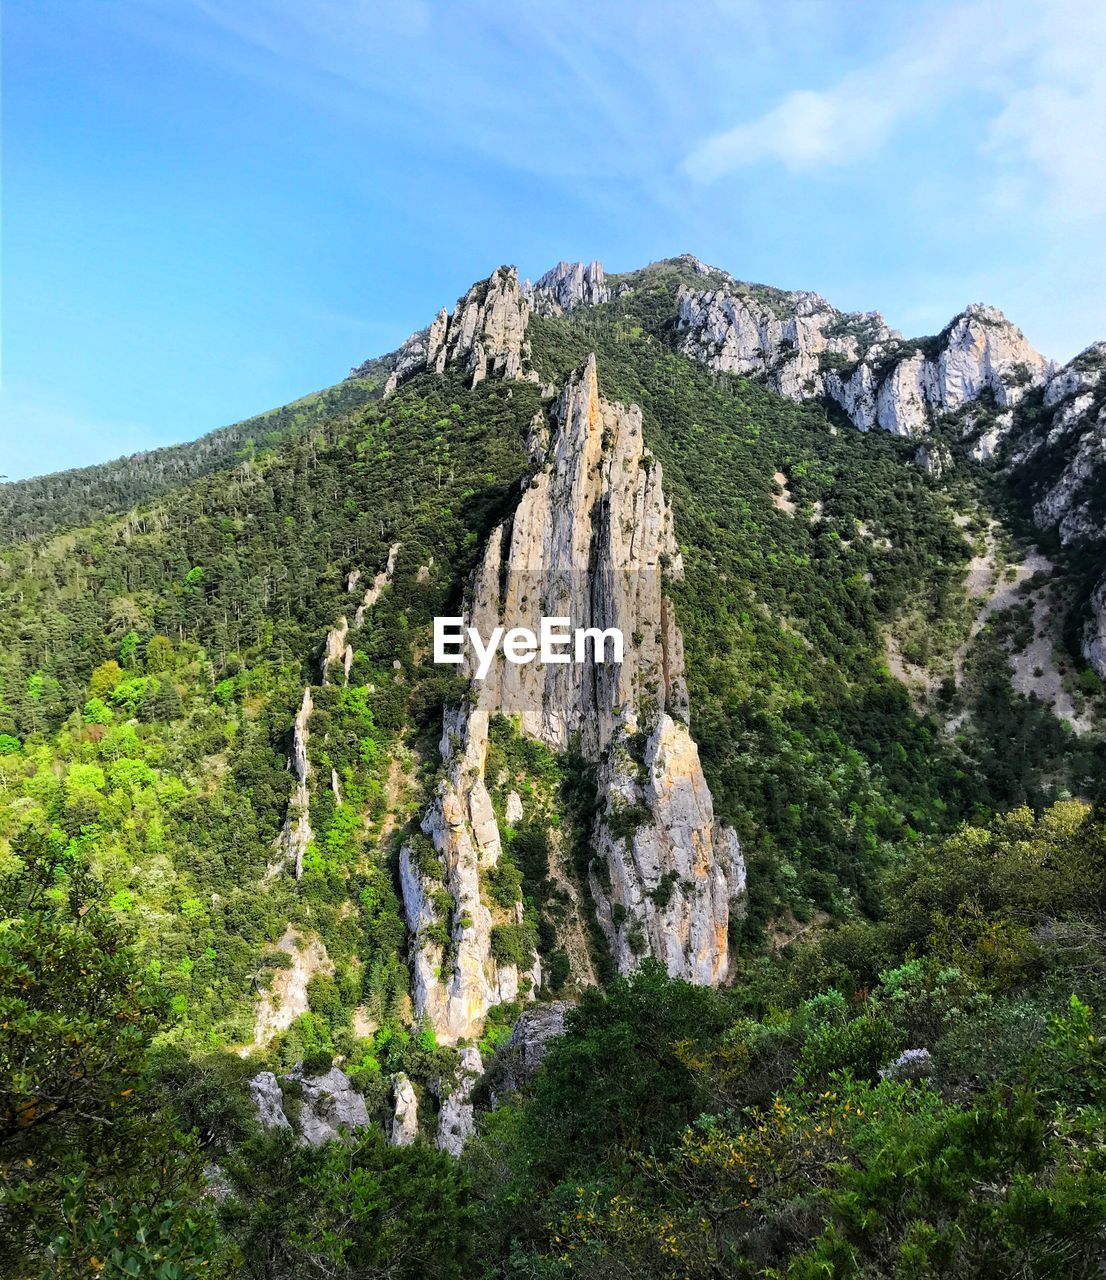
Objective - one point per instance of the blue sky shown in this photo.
(211, 207)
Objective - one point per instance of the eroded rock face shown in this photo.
(517, 1061)
(456, 1119)
(454, 987)
(372, 595)
(1072, 428)
(485, 335)
(669, 882)
(296, 833)
(591, 540)
(1075, 429)
(286, 998)
(982, 351)
(330, 1107)
(769, 335)
(567, 286)
(533, 1031)
(1094, 643)
(268, 1099)
(804, 348)
(405, 1121)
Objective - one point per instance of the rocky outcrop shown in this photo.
(329, 1106)
(517, 1061)
(531, 1034)
(512, 810)
(933, 458)
(567, 286)
(456, 1118)
(671, 873)
(457, 980)
(769, 335)
(485, 335)
(1094, 637)
(268, 1101)
(296, 833)
(286, 998)
(336, 650)
(405, 1118)
(1074, 430)
(372, 595)
(1063, 455)
(803, 348)
(592, 541)
(795, 342)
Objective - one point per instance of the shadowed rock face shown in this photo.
(592, 540)
(517, 1061)
(1094, 642)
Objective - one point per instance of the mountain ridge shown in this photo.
(816, 829)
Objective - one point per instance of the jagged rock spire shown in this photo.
(485, 335)
(592, 540)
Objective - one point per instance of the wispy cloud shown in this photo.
(1036, 65)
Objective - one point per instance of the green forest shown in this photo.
(906, 1074)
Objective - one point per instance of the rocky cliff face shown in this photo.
(569, 285)
(981, 356)
(1074, 430)
(457, 1119)
(457, 979)
(405, 1112)
(795, 342)
(297, 834)
(1064, 454)
(484, 335)
(591, 540)
(329, 1104)
(804, 348)
(780, 338)
(517, 1062)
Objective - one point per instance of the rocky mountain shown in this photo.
(801, 522)
(592, 540)
(976, 385)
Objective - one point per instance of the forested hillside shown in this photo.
(221, 747)
(64, 499)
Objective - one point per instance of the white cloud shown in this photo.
(1036, 63)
